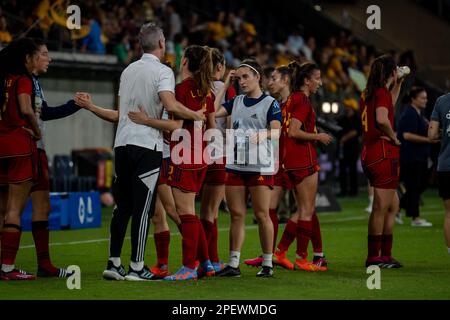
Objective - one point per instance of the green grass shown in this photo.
(426, 274)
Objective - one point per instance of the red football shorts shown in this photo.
(187, 180)
(380, 162)
(249, 179)
(281, 179)
(18, 169)
(216, 174)
(295, 177)
(164, 174)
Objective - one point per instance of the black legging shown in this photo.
(415, 178)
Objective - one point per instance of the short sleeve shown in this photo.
(383, 98)
(166, 80)
(180, 94)
(274, 112)
(436, 114)
(24, 85)
(301, 110)
(228, 105)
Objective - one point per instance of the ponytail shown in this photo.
(200, 65)
(300, 72)
(380, 71)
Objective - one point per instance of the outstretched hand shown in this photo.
(83, 100)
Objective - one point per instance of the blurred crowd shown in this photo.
(112, 26)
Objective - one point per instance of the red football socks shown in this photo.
(10, 244)
(304, 232)
(162, 242)
(41, 239)
(316, 236)
(189, 231)
(386, 245)
(202, 244)
(211, 238)
(373, 245)
(289, 234)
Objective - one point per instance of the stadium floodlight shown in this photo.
(334, 107)
(326, 107)
(317, 7)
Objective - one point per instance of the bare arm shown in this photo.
(433, 130)
(416, 138)
(174, 106)
(84, 100)
(384, 124)
(222, 91)
(28, 113)
(211, 121)
(296, 132)
(396, 90)
(141, 117)
(221, 112)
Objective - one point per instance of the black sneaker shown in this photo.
(390, 263)
(59, 273)
(143, 275)
(229, 271)
(114, 273)
(265, 272)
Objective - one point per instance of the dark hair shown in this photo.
(39, 42)
(414, 92)
(268, 71)
(217, 57)
(13, 62)
(380, 71)
(200, 65)
(301, 72)
(285, 72)
(256, 66)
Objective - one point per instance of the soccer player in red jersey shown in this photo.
(214, 185)
(380, 158)
(186, 174)
(19, 132)
(299, 136)
(252, 114)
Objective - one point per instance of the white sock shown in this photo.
(267, 260)
(318, 254)
(7, 267)
(299, 257)
(370, 201)
(234, 258)
(116, 261)
(137, 265)
(448, 249)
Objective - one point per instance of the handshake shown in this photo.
(84, 100)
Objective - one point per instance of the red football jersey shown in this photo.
(299, 154)
(187, 93)
(381, 98)
(14, 140)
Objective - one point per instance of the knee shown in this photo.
(237, 216)
(262, 217)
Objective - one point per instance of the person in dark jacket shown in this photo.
(414, 153)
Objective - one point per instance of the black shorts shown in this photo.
(444, 184)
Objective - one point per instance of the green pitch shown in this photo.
(426, 274)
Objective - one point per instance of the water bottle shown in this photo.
(403, 71)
